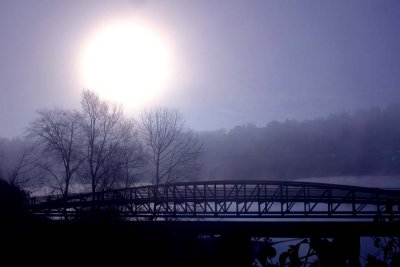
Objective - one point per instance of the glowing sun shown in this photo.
(126, 62)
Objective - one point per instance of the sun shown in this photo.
(126, 62)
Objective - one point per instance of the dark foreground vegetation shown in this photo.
(120, 244)
(111, 243)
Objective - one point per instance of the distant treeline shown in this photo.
(365, 142)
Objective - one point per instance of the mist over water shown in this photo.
(384, 182)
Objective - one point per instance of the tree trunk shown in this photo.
(65, 196)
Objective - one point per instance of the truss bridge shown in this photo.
(231, 200)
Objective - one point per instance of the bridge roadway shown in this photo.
(251, 200)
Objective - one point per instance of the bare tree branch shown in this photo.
(172, 149)
(112, 150)
(58, 132)
(17, 166)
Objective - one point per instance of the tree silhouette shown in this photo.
(58, 132)
(173, 150)
(112, 150)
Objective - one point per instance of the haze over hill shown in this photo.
(365, 142)
(340, 148)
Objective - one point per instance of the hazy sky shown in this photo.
(233, 62)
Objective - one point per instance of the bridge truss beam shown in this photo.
(232, 200)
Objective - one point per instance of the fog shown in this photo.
(358, 148)
(358, 144)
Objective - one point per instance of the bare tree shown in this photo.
(20, 171)
(110, 142)
(125, 167)
(58, 132)
(173, 150)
